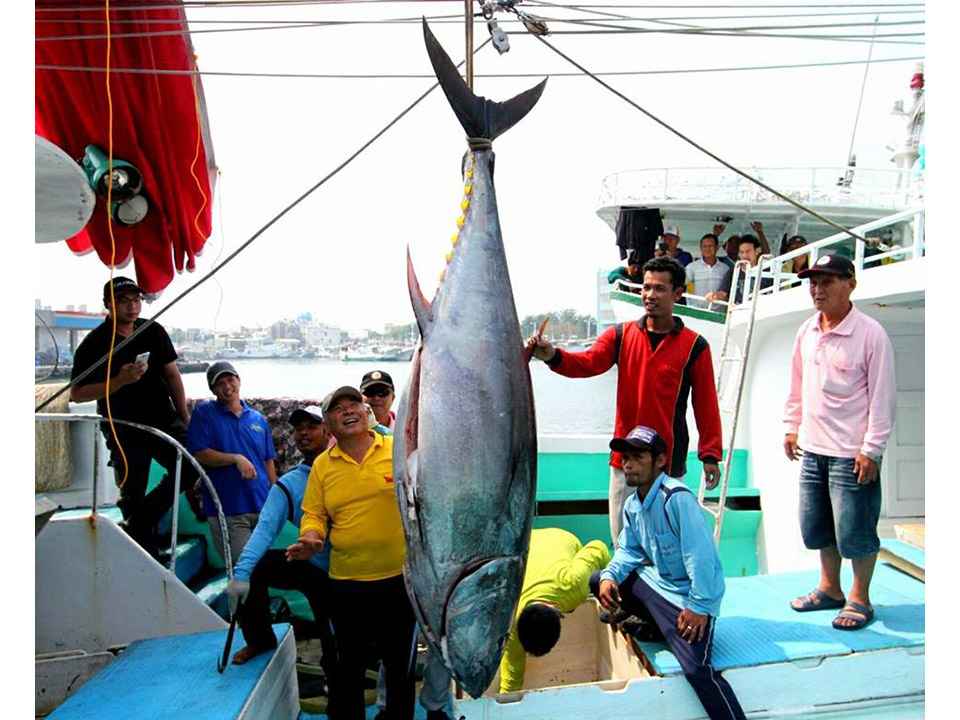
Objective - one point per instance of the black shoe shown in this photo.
(437, 715)
(613, 618)
(382, 715)
(641, 630)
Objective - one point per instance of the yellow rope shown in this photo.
(113, 252)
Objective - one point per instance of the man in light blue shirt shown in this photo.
(259, 568)
(666, 569)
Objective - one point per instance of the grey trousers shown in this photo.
(619, 492)
(435, 692)
(239, 529)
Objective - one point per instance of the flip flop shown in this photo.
(826, 602)
(859, 622)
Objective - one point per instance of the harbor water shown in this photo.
(581, 406)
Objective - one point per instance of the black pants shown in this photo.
(275, 571)
(715, 693)
(373, 613)
(140, 510)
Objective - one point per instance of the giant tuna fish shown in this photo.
(466, 450)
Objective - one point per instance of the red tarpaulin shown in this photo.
(157, 120)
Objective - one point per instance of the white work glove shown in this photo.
(371, 417)
(237, 591)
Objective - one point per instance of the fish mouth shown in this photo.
(478, 615)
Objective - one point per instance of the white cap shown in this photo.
(671, 230)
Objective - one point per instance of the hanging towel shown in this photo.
(53, 467)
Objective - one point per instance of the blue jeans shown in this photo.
(835, 510)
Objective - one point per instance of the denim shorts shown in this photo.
(835, 510)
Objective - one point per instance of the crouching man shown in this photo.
(666, 569)
(555, 582)
(259, 568)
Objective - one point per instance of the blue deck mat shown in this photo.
(171, 677)
(757, 625)
(908, 552)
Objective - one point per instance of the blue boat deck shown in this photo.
(176, 677)
(757, 625)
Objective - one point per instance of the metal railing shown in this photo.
(175, 506)
(861, 261)
(889, 188)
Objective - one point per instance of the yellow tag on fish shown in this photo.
(464, 205)
(460, 221)
(467, 189)
(448, 256)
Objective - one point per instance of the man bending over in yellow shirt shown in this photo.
(556, 582)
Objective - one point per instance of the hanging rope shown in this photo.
(863, 87)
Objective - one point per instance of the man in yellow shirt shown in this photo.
(351, 486)
(556, 582)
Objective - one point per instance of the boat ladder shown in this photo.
(733, 354)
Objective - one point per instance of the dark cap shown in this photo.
(121, 284)
(220, 367)
(376, 377)
(833, 264)
(345, 391)
(307, 412)
(640, 438)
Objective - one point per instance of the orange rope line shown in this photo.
(196, 104)
(113, 251)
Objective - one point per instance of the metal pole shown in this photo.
(175, 508)
(96, 467)
(468, 18)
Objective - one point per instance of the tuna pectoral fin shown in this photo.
(481, 118)
(479, 614)
(421, 306)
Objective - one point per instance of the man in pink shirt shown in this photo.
(838, 417)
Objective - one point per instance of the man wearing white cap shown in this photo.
(671, 236)
(233, 441)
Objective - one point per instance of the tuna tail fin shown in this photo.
(421, 306)
(481, 118)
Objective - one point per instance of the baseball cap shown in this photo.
(376, 377)
(121, 284)
(345, 391)
(220, 367)
(833, 264)
(640, 438)
(307, 412)
(671, 230)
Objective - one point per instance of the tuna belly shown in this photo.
(478, 619)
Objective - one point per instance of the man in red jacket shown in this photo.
(660, 363)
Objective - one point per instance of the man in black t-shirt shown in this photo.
(145, 388)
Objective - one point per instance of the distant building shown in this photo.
(61, 331)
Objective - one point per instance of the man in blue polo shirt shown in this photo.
(233, 442)
(259, 568)
(666, 569)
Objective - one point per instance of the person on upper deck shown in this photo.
(797, 264)
(660, 364)
(840, 412)
(666, 569)
(632, 273)
(707, 274)
(233, 441)
(555, 582)
(350, 504)
(749, 249)
(149, 393)
(671, 236)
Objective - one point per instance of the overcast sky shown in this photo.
(341, 254)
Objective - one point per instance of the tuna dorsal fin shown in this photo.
(481, 118)
(421, 306)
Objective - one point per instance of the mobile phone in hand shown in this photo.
(142, 358)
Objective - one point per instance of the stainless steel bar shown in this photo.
(175, 518)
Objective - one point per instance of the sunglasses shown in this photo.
(378, 391)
